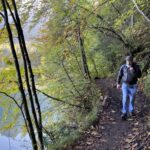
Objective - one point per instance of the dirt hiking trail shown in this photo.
(110, 132)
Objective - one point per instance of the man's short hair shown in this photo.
(129, 58)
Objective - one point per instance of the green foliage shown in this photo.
(147, 84)
(104, 51)
(74, 121)
(8, 122)
(108, 28)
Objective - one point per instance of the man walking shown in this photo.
(128, 74)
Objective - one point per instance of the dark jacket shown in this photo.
(126, 76)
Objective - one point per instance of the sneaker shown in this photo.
(131, 114)
(124, 116)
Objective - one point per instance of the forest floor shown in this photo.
(112, 133)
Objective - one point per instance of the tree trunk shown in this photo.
(24, 100)
(83, 55)
(38, 121)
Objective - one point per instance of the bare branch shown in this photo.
(93, 11)
(140, 11)
(49, 133)
(117, 35)
(72, 82)
(109, 28)
(11, 98)
(57, 99)
(13, 16)
(117, 10)
(2, 15)
(4, 24)
(147, 64)
(19, 106)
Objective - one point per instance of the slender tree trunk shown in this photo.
(76, 58)
(140, 11)
(95, 67)
(70, 79)
(147, 65)
(38, 126)
(25, 105)
(132, 20)
(83, 54)
(38, 122)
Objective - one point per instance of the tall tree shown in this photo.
(28, 70)
(83, 54)
(26, 110)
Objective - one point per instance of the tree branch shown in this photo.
(4, 23)
(147, 65)
(59, 100)
(92, 12)
(19, 106)
(118, 36)
(4, 93)
(70, 78)
(2, 15)
(117, 10)
(109, 27)
(141, 12)
(13, 16)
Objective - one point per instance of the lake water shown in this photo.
(17, 143)
(13, 139)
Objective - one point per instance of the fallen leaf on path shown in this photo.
(113, 111)
(135, 145)
(98, 136)
(88, 132)
(136, 133)
(103, 140)
(89, 141)
(92, 127)
(130, 119)
(128, 140)
(79, 147)
(102, 127)
(94, 133)
(132, 136)
(127, 146)
(101, 97)
(135, 129)
(137, 123)
(112, 119)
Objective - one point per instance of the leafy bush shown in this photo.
(147, 84)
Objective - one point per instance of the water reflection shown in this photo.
(12, 139)
(17, 143)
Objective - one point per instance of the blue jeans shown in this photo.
(128, 91)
